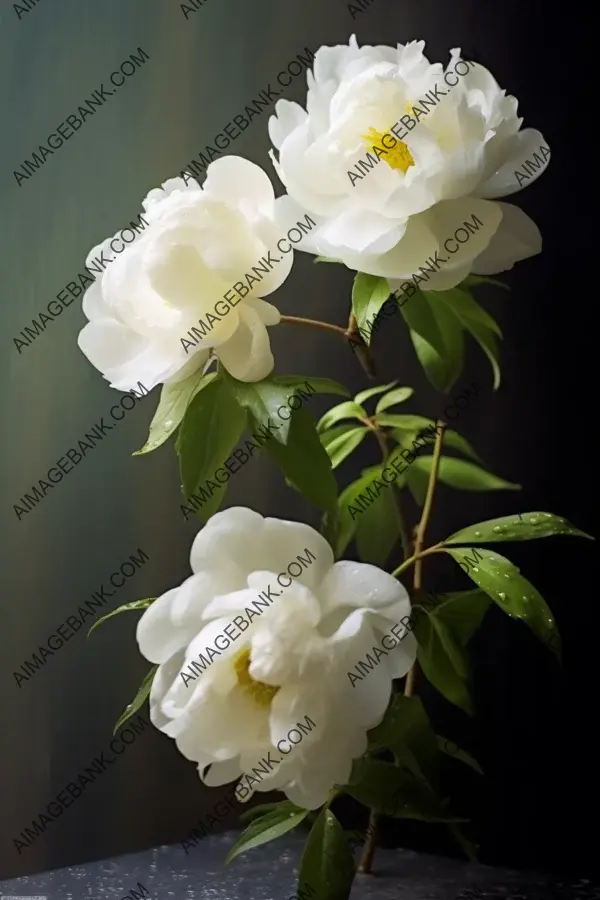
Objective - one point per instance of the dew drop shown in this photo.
(498, 529)
(477, 533)
(502, 595)
(534, 520)
(507, 575)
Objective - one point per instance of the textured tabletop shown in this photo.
(268, 873)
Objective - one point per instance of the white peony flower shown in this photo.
(257, 646)
(441, 145)
(191, 281)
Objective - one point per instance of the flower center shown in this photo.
(261, 693)
(399, 157)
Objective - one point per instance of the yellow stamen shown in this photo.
(398, 157)
(261, 693)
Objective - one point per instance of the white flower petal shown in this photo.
(247, 354)
(518, 237)
(526, 153)
(240, 184)
(361, 585)
(157, 636)
(232, 537)
(268, 314)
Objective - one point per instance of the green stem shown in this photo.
(314, 323)
(422, 526)
(411, 679)
(437, 548)
(366, 861)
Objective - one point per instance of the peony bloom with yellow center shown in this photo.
(394, 154)
(198, 263)
(254, 652)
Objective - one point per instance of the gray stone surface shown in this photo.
(268, 873)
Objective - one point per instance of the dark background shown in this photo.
(534, 729)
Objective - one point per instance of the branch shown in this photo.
(411, 678)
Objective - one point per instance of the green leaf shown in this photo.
(406, 731)
(347, 525)
(474, 280)
(371, 392)
(138, 700)
(347, 410)
(174, 399)
(419, 315)
(477, 325)
(342, 446)
(378, 529)
(393, 791)
(398, 396)
(135, 604)
(451, 749)
(433, 364)
(335, 432)
(407, 423)
(443, 368)
(324, 259)
(464, 476)
(264, 808)
(417, 481)
(458, 442)
(524, 527)
(413, 425)
(369, 293)
(327, 866)
(443, 634)
(267, 828)
(319, 385)
(501, 579)
(467, 309)
(262, 399)
(305, 463)
(212, 425)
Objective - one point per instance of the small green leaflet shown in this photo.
(305, 463)
(347, 410)
(135, 604)
(143, 692)
(267, 828)
(463, 475)
(372, 392)
(212, 426)
(174, 400)
(501, 579)
(521, 527)
(327, 866)
(369, 293)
